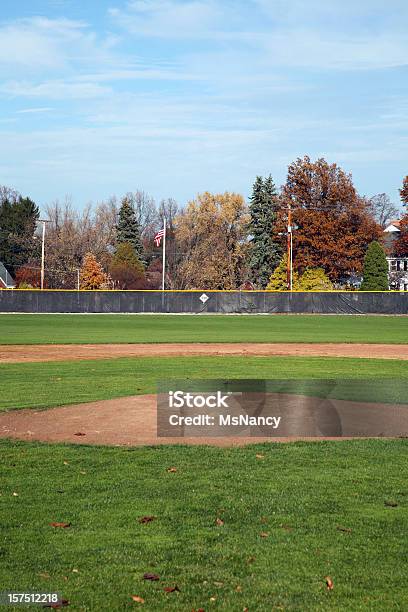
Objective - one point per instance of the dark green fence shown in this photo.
(190, 302)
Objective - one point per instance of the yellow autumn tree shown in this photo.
(92, 275)
(314, 279)
(210, 235)
(279, 277)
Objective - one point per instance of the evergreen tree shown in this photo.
(279, 278)
(92, 275)
(18, 219)
(265, 252)
(126, 270)
(128, 228)
(375, 274)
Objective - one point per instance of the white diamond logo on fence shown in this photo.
(204, 298)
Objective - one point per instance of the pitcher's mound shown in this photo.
(132, 421)
(129, 421)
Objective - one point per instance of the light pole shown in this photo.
(289, 246)
(289, 249)
(43, 221)
(291, 259)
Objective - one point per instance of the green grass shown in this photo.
(299, 494)
(74, 329)
(42, 385)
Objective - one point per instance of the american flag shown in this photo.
(158, 237)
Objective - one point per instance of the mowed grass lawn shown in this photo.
(42, 385)
(290, 515)
(74, 329)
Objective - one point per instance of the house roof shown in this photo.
(393, 226)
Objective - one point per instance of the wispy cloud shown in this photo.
(315, 34)
(54, 90)
(169, 19)
(30, 111)
(40, 43)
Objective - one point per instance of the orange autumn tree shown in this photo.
(334, 225)
(401, 244)
(92, 275)
(404, 191)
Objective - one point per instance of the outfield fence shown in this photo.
(196, 302)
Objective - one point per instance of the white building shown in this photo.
(398, 273)
(397, 266)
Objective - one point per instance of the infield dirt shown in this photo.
(68, 352)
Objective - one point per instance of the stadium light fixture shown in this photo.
(43, 221)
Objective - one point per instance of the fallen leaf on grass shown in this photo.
(344, 529)
(218, 584)
(82, 472)
(44, 575)
(264, 534)
(147, 519)
(76, 571)
(66, 462)
(62, 525)
(329, 583)
(149, 576)
(79, 433)
(15, 494)
(55, 606)
(287, 527)
(198, 610)
(260, 456)
(172, 589)
(219, 522)
(171, 470)
(391, 503)
(213, 598)
(238, 588)
(251, 559)
(137, 599)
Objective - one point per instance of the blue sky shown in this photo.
(180, 96)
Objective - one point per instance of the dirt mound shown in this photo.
(132, 421)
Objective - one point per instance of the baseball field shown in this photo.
(94, 506)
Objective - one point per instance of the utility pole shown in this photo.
(289, 276)
(43, 221)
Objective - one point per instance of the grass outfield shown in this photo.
(42, 385)
(77, 329)
(325, 509)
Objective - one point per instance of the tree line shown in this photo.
(216, 241)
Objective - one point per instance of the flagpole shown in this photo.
(164, 252)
